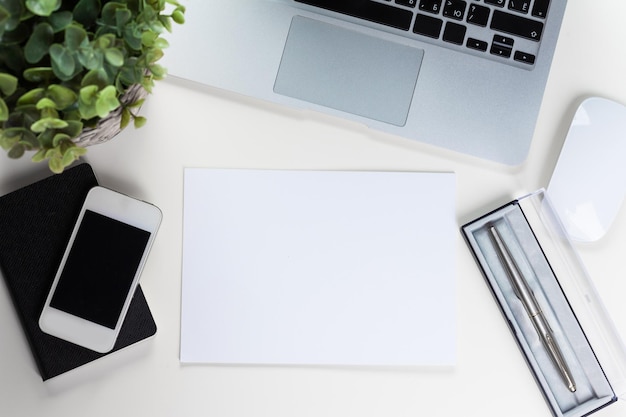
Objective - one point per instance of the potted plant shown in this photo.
(73, 72)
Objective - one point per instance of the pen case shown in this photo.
(539, 234)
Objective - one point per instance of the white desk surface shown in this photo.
(202, 127)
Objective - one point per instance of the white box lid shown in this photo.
(586, 191)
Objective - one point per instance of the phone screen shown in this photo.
(100, 268)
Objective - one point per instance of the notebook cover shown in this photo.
(35, 225)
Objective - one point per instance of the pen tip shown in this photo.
(572, 387)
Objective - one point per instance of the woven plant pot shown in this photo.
(109, 126)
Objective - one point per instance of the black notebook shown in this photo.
(35, 226)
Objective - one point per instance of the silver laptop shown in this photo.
(466, 75)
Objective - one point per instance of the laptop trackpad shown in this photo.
(348, 71)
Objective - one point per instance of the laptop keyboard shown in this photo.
(507, 31)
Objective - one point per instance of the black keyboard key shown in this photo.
(516, 25)
(454, 33)
(478, 15)
(522, 6)
(499, 3)
(408, 3)
(503, 40)
(476, 44)
(427, 26)
(524, 57)
(500, 50)
(430, 6)
(540, 8)
(369, 10)
(454, 9)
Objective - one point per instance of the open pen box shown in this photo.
(526, 253)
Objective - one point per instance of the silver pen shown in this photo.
(527, 298)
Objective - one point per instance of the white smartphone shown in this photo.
(100, 269)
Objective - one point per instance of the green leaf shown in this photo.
(158, 71)
(131, 72)
(13, 132)
(63, 63)
(73, 129)
(79, 151)
(98, 77)
(47, 110)
(11, 14)
(161, 43)
(107, 101)
(109, 11)
(31, 97)
(114, 57)
(178, 16)
(16, 151)
(147, 83)
(38, 43)
(48, 123)
(88, 93)
(39, 156)
(64, 154)
(153, 55)
(4, 111)
(132, 36)
(45, 103)
(68, 158)
(72, 114)
(136, 104)
(8, 140)
(29, 113)
(140, 121)
(60, 20)
(29, 139)
(38, 75)
(26, 145)
(75, 36)
(4, 17)
(55, 164)
(166, 22)
(125, 119)
(122, 17)
(71, 154)
(148, 38)
(86, 12)
(8, 84)
(87, 101)
(58, 138)
(62, 96)
(90, 58)
(52, 152)
(45, 139)
(43, 7)
(105, 41)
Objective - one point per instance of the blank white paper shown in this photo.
(318, 268)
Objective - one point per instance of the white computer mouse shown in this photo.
(589, 182)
